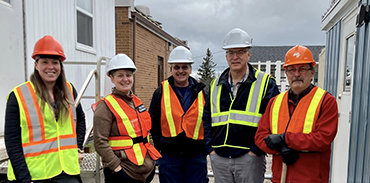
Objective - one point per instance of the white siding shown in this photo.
(12, 72)
(56, 18)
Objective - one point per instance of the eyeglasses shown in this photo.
(239, 53)
(177, 67)
(301, 70)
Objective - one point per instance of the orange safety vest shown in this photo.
(133, 126)
(173, 119)
(304, 116)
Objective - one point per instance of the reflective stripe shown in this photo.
(214, 96)
(38, 148)
(307, 128)
(200, 115)
(138, 154)
(34, 116)
(275, 112)
(254, 100)
(120, 142)
(167, 104)
(227, 145)
(218, 119)
(73, 100)
(122, 114)
(245, 117)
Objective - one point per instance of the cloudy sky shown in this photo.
(204, 23)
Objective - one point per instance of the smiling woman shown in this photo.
(121, 128)
(44, 108)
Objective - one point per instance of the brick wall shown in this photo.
(148, 47)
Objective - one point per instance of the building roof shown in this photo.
(154, 26)
(274, 53)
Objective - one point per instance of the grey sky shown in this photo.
(204, 23)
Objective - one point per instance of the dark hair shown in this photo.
(61, 92)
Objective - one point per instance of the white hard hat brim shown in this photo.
(180, 61)
(119, 68)
(236, 46)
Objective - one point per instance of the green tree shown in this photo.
(206, 72)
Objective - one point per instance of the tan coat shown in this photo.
(105, 126)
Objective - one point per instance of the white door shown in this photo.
(344, 98)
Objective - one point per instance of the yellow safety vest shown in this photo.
(49, 146)
(224, 121)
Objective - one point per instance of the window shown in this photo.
(349, 60)
(160, 70)
(85, 17)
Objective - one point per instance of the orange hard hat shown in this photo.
(298, 55)
(48, 46)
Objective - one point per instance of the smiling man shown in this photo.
(238, 99)
(177, 128)
(299, 124)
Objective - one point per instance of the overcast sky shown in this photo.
(204, 23)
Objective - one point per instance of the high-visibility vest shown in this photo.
(133, 126)
(173, 119)
(304, 116)
(49, 146)
(226, 121)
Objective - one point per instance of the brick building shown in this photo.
(142, 38)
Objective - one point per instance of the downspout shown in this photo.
(24, 40)
(134, 46)
(164, 64)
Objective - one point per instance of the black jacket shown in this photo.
(244, 135)
(179, 145)
(13, 139)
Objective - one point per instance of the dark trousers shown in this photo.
(175, 169)
(121, 176)
(61, 178)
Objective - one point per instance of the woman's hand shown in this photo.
(119, 168)
(80, 155)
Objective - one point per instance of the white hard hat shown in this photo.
(237, 38)
(180, 55)
(121, 61)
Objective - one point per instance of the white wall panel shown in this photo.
(58, 18)
(12, 72)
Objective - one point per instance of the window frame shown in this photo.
(81, 46)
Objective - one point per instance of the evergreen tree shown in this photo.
(206, 72)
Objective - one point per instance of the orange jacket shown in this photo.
(173, 119)
(310, 131)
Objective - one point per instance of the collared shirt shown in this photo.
(234, 88)
(295, 99)
(185, 95)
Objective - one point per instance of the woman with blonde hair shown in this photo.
(44, 132)
(121, 128)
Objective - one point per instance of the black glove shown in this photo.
(289, 155)
(275, 141)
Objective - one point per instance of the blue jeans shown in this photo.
(175, 169)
